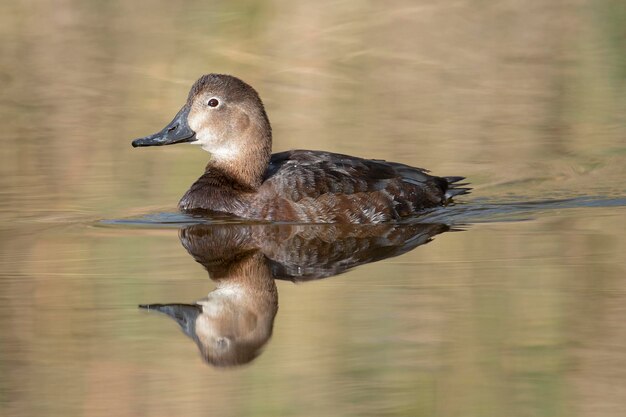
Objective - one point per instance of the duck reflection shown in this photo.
(234, 321)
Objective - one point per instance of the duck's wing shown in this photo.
(319, 251)
(316, 185)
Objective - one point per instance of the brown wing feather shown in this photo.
(325, 187)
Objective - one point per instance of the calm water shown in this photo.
(510, 303)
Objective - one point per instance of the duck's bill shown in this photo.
(177, 131)
(184, 314)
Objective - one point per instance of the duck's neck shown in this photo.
(243, 160)
(248, 271)
(243, 172)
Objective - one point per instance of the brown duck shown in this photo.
(226, 117)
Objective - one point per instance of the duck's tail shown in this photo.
(455, 187)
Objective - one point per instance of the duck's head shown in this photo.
(226, 117)
(227, 332)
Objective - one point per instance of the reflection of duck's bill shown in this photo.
(177, 131)
(184, 314)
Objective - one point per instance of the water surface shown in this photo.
(510, 302)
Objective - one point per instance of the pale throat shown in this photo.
(221, 151)
(233, 155)
(233, 158)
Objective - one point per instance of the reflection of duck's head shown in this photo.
(235, 320)
(224, 338)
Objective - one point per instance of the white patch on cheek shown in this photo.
(212, 140)
(195, 123)
(206, 140)
(219, 149)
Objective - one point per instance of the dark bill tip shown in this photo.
(159, 140)
(147, 141)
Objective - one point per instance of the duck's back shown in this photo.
(324, 187)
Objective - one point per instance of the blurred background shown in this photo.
(525, 98)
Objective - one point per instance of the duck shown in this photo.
(226, 117)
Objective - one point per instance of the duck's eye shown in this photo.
(213, 102)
